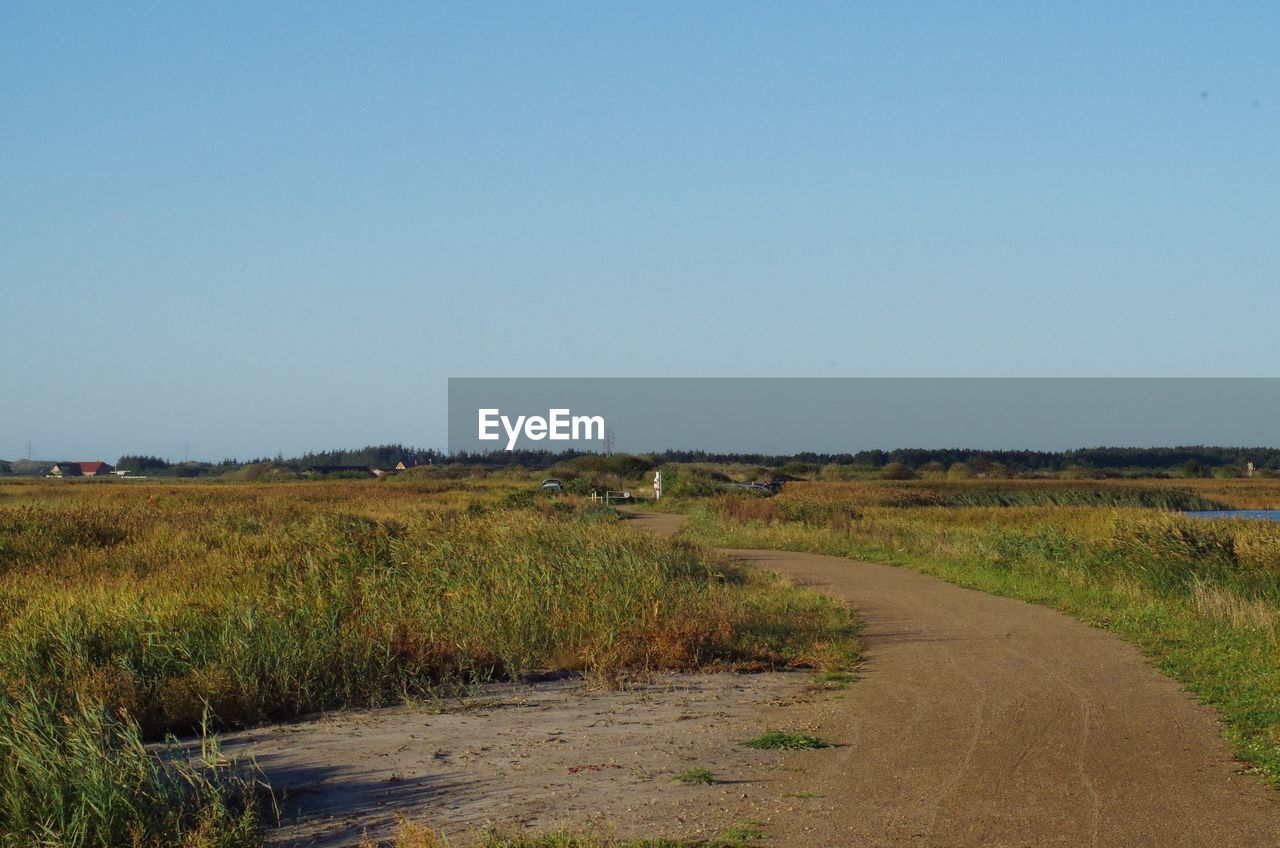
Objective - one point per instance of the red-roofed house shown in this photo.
(77, 469)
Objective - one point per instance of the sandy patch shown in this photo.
(534, 757)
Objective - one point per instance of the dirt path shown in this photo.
(985, 721)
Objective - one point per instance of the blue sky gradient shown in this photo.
(261, 228)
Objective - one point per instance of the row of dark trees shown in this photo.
(1163, 459)
(387, 456)
(372, 456)
(1155, 459)
(138, 464)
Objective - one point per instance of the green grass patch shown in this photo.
(738, 836)
(781, 741)
(696, 777)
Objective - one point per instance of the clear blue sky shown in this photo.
(262, 227)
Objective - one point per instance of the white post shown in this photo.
(657, 485)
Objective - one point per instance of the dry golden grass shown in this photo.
(128, 609)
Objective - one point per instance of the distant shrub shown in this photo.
(262, 472)
(692, 481)
(1191, 468)
(620, 465)
(896, 471)
(806, 470)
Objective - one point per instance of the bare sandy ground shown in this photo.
(533, 758)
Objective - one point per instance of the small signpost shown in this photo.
(657, 485)
(610, 495)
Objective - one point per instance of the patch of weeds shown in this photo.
(780, 741)
(454, 697)
(838, 678)
(742, 835)
(696, 777)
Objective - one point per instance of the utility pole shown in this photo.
(28, 450)
(608, 443)
(186, 452)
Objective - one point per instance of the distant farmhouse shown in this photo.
(81, 469)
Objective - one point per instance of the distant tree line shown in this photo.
(136, 464)
(372, 456)
(28, 467)
(1016, 460)
(1187, 460)
(1155, 459)
(529, 459)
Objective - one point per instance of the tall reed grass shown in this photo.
(132, 611)
(74, 774)
(256, 615)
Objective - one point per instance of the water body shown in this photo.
(1251, 514)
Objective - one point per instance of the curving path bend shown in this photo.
(986, 721)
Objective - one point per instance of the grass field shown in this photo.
(132, 610)
(1200, 597)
